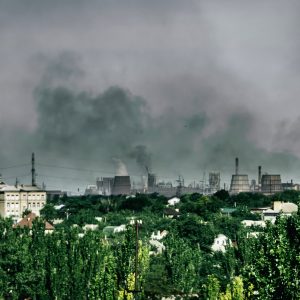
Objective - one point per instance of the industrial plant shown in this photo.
(123, 184)
(266, 184)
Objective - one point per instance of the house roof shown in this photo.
(28, 220)
(270, 210)
(227, 210)
(289, 207)
(249, 223)
(20, 188)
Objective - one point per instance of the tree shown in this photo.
(196, 231)
(182, 265)
(49, 213)
(274, 268)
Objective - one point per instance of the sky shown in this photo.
(182, 87)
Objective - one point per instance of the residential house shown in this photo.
(173, 201)
(220, 243)
(27, 221)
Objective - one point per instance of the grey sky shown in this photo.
(218, 79)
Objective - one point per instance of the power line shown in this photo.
(103, 171)
(62, 177)
(17, 176)
(75, 169)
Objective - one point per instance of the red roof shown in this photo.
(27, 222)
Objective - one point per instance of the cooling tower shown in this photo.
(121, 185)
(271, 184)
(239, 184)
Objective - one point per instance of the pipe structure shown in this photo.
(259, 174)
(33, 175)
(236, 166)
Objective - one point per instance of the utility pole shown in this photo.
(136, 256)
(136, 290)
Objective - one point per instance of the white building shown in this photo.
(220, 243)
(173, 201)
(286, 208)
(14, 200)
(250, 223)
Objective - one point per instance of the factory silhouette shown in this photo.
(123, 184)
(267, 184)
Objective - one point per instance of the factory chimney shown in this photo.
(236, 166)
(33, 175)
(259, 175)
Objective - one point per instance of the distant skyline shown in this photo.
(180, 86)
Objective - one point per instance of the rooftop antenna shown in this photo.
(33, 175)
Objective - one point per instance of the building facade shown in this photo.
(14, 200)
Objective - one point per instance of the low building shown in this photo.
(270, 215)
(171, 212)
(227, 211)
(90, 227)
(159, 235)
(155, 241)
(252, 223)
(158, 246)
(286, 208)
(27, 221)
(92, 190)
(220, 243)
(109, 230)
(173, 201)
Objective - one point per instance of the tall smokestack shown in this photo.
(259, 174)
(236, 166)
(33, 183)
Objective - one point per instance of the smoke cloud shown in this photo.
(180, 87)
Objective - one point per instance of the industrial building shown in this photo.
(214, 180)
(14, 200)
(121, 186)
(107, 186)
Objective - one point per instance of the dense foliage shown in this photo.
(73, 263)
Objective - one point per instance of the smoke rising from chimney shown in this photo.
(121, 169)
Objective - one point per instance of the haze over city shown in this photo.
(182, 87)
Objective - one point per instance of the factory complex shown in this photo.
(18, 198)
(266, 184)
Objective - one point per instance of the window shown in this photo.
(8, 205)
(38, 205)
(33, 205)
